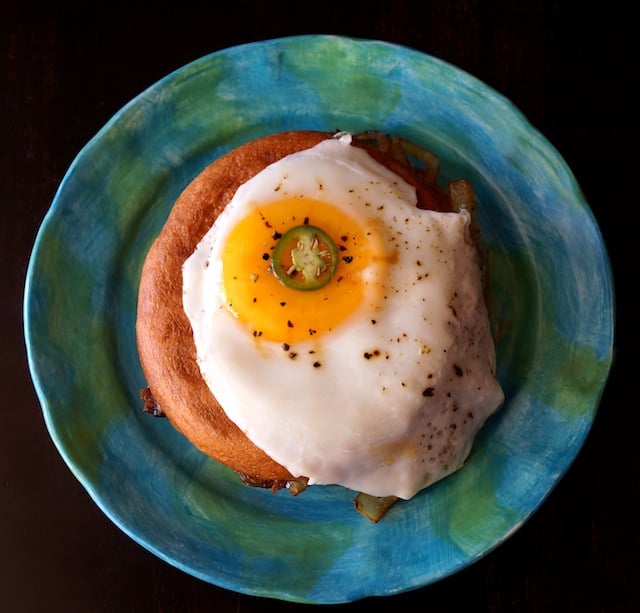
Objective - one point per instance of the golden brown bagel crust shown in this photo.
(164, 336)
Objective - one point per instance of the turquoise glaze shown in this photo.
(551, 301)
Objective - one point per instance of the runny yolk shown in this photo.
(271, 310)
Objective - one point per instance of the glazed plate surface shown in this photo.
(551, 298)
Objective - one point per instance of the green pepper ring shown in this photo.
(305, 258)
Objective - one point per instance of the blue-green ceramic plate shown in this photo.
(551, 299)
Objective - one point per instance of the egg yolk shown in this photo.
(276, 311)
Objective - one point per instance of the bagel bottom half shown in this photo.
(164, 337)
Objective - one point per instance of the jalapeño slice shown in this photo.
(305, 258)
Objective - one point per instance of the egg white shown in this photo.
(390, 400)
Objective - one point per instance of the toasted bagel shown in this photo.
(164, 336)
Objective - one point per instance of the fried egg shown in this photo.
(377, 375)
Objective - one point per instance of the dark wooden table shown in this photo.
(65, 71)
